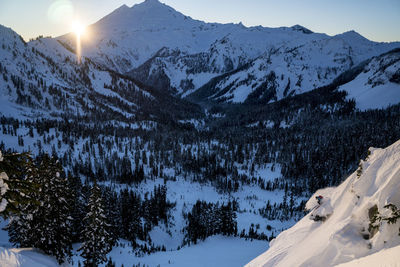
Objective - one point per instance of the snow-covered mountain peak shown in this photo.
(150, 4)
(153, 7)
(121, 8)
(149, 15)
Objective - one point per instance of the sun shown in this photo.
(78, 28)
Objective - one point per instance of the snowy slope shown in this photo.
(385, 258)
(25, 258)
(343, 232)
(378, 85)
(286, 70)
(231, 251)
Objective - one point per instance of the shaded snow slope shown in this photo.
(43, 79)
(378, 85)
(343, 231)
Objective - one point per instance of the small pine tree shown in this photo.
(96, 238)
(110, 263)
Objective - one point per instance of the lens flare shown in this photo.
(78, 29)
(60, 11)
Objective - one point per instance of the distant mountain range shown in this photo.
(157, 47)
(163, 48)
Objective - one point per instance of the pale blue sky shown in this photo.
(378, 20)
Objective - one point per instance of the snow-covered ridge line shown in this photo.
(356, 219)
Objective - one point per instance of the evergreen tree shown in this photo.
(130, 216)
(96, 238)
(206, 219)
(46, 226)
(228, 220)
(78, 208)
(16, 172)
(112, 213)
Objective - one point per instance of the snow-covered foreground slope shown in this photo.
(385, 258)
(346, 229)
(217, 251)
(25, 257)
(378, 85)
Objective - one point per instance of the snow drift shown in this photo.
(359, 219)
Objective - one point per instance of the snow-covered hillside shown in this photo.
(288, 69)
(378, 85)
(354, 220)
(43, 79)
